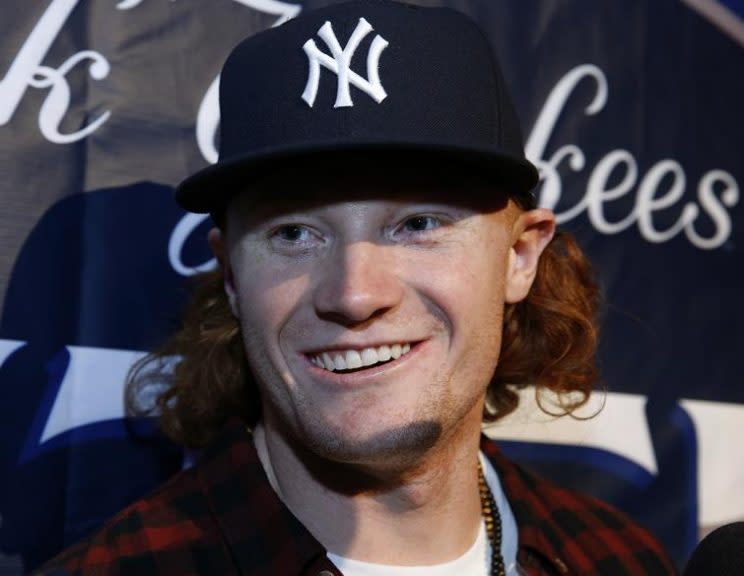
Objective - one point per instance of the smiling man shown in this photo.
(385, 283)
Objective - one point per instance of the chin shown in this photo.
(393, 446)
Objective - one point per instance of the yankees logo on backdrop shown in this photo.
(340, 62)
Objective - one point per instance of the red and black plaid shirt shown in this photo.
(223, 517)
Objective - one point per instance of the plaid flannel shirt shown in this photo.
(223, 517)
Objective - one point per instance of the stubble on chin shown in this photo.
(396, 447)
(321, 441)
(344, 455)
(388, 442)
(377, 463)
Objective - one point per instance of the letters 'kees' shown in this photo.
(340, 63)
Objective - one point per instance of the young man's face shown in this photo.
(408, 283)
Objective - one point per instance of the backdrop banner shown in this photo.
(631, 109)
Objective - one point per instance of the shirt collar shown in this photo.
(262, 535)
(524, 493)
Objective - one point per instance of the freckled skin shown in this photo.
(389, 452)
(358, 272)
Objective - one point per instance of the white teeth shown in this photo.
(353, 359)
(369, 357)
(339, 362)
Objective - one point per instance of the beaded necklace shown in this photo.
(492, 519)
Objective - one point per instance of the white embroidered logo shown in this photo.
(340, 62)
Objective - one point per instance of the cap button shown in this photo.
(325, 573)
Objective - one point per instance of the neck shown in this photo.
(424, 513)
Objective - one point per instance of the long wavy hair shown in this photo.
(200, 378)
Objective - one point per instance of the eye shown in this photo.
(421, 223)
(293, 234)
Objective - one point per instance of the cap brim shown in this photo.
(209, 190)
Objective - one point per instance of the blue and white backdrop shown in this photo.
(633, 110)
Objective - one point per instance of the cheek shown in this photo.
(267, 305)
(471, 297)
(471, 288)
(267, 299)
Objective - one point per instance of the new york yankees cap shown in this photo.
(394, 82)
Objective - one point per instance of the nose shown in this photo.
(360, 282)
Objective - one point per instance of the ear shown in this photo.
(217, 243)
(532, 232)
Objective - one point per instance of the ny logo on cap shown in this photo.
(340, 62)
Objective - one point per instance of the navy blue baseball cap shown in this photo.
(396, 83)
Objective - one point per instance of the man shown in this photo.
(385, 282)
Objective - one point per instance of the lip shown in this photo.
(366, 376)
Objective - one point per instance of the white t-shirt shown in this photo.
(475, 562)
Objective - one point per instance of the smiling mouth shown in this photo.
(346, 361)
